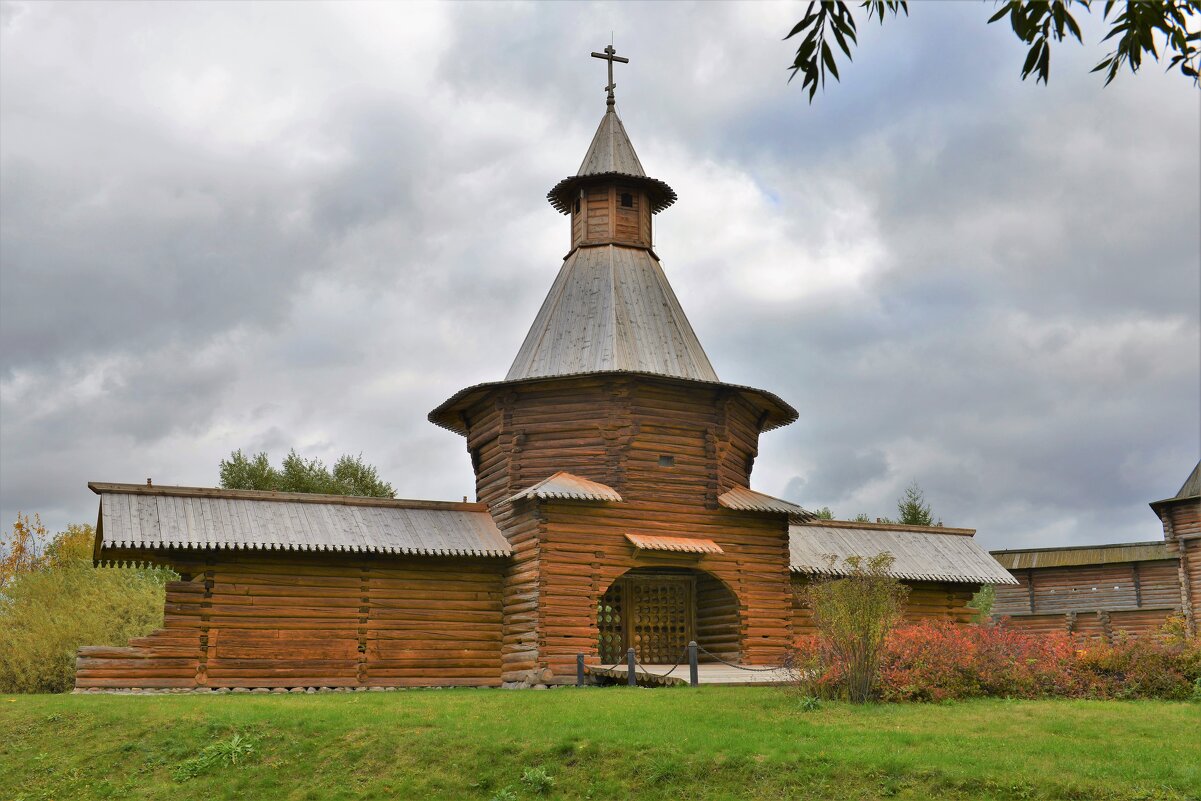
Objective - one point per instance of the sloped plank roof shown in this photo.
(134, 516)
(611, 309)
(611, 156)
(611, 150)
(747, 500)
(649, 542)
(1028, 558)
(567, 487)
(1192, 485)
(921, 553)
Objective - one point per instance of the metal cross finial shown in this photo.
(610, 55)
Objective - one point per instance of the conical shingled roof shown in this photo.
(611, 156)
(611, 309)
(1192, 485)
(611, 151)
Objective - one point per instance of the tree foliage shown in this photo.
(854, 615)
(350, 475)
(1135, 29)
(912, 509)
(22, 549)
(56, 601)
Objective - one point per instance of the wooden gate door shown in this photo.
(653, 614)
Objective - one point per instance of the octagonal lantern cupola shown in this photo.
(611, 199)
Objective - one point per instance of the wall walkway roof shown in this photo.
(134, 516)
(922, 553)
(1028, 558)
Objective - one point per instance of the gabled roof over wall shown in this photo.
(139, 517)
(1075, 556)
(922, 553)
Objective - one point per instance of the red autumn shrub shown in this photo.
(935, 660)
(816, 668)
(938, 660)
(1147, 667)
(929, 663)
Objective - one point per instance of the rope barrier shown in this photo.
(641, 668)
(740, 667)
(646, 672)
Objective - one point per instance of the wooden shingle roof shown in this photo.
(922, 553)
(611, 156)
(138, 517)
(611, 150)
(651, 542)
(746, 499)
(1075, 556)
(611, 309)
(564, 486)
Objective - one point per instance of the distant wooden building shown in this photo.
(1102, 590)
(1181, 518)
(613, 511)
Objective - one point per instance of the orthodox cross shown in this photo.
(610, 55)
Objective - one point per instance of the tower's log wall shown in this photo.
(670, 451)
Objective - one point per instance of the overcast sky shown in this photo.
(265, 226)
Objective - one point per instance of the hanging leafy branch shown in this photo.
(814, 55)
(1037, 23)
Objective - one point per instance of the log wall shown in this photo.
(308, 620)
(1182, 531)
(585, 551)
(602, 219)
(926, 601)
(619, 431)
(1091, 600)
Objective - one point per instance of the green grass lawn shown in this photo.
(611, 743)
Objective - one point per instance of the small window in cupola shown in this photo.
(627, 200)
(667, 461)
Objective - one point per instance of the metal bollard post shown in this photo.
(693, 678)
(631, 677)
(579, 670)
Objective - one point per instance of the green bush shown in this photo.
(60, 602)
(854, 613)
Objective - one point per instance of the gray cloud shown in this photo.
(305, 226)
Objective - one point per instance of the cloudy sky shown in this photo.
(265, 226)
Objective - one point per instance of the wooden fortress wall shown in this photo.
(1095, 601)
(927, 600)
(316, 620)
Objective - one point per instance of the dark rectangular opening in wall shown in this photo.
(667, 461)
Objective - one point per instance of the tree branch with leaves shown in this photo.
(1139, 29)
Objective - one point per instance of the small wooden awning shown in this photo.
(647, 542)
(745, 499)
(564, 486)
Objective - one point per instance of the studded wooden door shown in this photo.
(653, 614)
